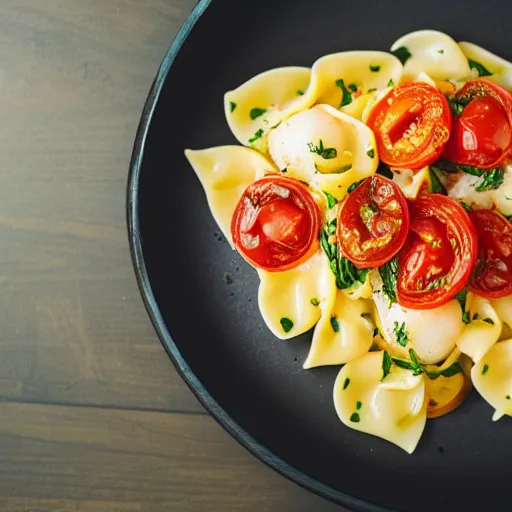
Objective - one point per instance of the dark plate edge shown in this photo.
(170, 347)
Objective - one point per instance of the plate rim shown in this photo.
(188, 376)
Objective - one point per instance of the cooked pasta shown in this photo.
(370, 201)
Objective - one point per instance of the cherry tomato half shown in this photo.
(373, 223)
(412, 125)
(276, 223)
(439, 254)
(482, 134)
(492, 277)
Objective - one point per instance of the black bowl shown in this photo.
(201, 296)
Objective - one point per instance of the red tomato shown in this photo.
(373, 223)
(276, 223)
(411, 124)
(439, 254)
(492, 277)
(482, 134)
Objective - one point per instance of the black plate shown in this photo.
(212, 330)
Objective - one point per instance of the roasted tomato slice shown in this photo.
(482, 134)
(439, 254)
(276, 223)
(492, 277)
(411, 124)
(373, 223)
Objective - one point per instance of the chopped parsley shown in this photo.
(482, 70)
(354, 186)
(417, 368)
(346, 383)
(352, 87)
(466, 206)
(232, 105)
(508, 397)
(488, 321)
(355, 418)
(374, 69)
(335, 324)
(358, 405)
(257, 112)
(485, 369)
(371, 153)
(256, 136)
(325, 153)
(346, 97)
(314, 301)
(401, 334)
(299, 92)
(441, 51)
(343, 169)
(345, 272)
(388, 274)
(456, 106)
(402, 54)
(373, 89)
(286, 324)
(436, 186)
(386, 365)
(461, 298)
(492, 180)
(391, 83)
(331, 200)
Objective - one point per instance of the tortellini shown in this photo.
(394, 409)
(308, 124)
(433, 53)
(225, 172)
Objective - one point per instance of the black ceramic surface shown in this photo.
(211, 327)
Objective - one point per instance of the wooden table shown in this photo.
(93, 417)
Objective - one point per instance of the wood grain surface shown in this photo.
(93, 417)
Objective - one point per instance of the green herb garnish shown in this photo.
(417, 368)
(346, 97)
(386, 365)
(456, 106)
(461, 298)
(482, 70)
(485, 369)
(300, 93)
(358, 405)
(373, 89)
(401, 334)
(402, 54)
(492, 180)
(374, 69)
(331, 200)
(286, 324)
(335, 324)
(489, 321)
(355, 418)
(325, 153)
(391, 83)
(345, 272)
(256, 136)
(436, 186)
(257, 112)
(232, 105)
(465, 206)
(352, 87)
(343, 169)
(346, 383)
(371, 153)
(388, 273)
(314, 301)
(354, 186)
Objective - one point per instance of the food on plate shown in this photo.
(372, 195)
